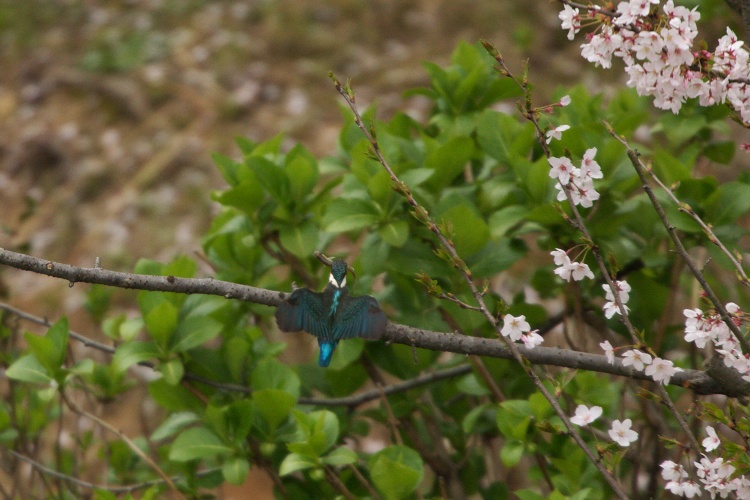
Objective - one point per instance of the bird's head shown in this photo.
(338, 273)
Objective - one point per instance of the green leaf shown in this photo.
(130, 328)
(197, 443)
(235, 470)
(528, 494)
(246, 196)
(174, 397)
(720, 152)
(347, 353)
(173, 424)
(471, 385)
(294, 462)
(670, 168)
(134, 352)
(471, 418)
(514, 417)
(43, 349)
(172, 371)
(273, 406)
(182, 267)
(503, 220)
(340, 456)
(302, 172)
(28, 369)
(301, 240)
(502, 137)
(379, 187)
(396, 471)
(395, 233)
(470, 232)
(320, 430)
(349, 214)
(194, 331)
(448, 161)
(161, 322)
(271, 177)
(729, 202)
(271, 374)
(416, 176)
(512, 452)
(51, 349)
(227, 167)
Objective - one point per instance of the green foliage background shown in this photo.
(477, 168)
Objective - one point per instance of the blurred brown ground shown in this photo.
(109, 111)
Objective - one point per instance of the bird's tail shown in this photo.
(326, 352)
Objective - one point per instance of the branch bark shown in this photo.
(700, 382)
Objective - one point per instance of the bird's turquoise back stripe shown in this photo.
(335, 303)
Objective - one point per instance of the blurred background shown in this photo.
(110, 110)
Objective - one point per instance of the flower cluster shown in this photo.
(658, 56)
(620, 432)
(568, 269)
(703, 328)
(677, 480)
(715, 476)
(578, 181)
(623, 290)
(517, 328)
(661, 370)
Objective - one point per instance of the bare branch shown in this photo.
(699, 382)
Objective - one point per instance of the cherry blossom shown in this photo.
(623, 290)
(658, 51)
(686, 488)
(672, 471)
(621, 433)
(532, 339)
(568, 269)
(571, 20)
(637, 359)
(609, 351)
(585, 415)
(661, 370)
(712, 441)
(556, 133)
(561, 169)
(514, 326)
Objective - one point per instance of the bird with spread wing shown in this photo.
(332, 315)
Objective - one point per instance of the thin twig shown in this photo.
(134, 447)
(117, 489)
(363, 480)
(687, 209)
(337, 484)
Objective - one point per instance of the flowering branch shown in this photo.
(640, 170)
(576, 186)
(512, 329)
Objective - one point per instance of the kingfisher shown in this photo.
(333, 314)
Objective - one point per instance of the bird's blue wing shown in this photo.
(303, 310)
(360, 317)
